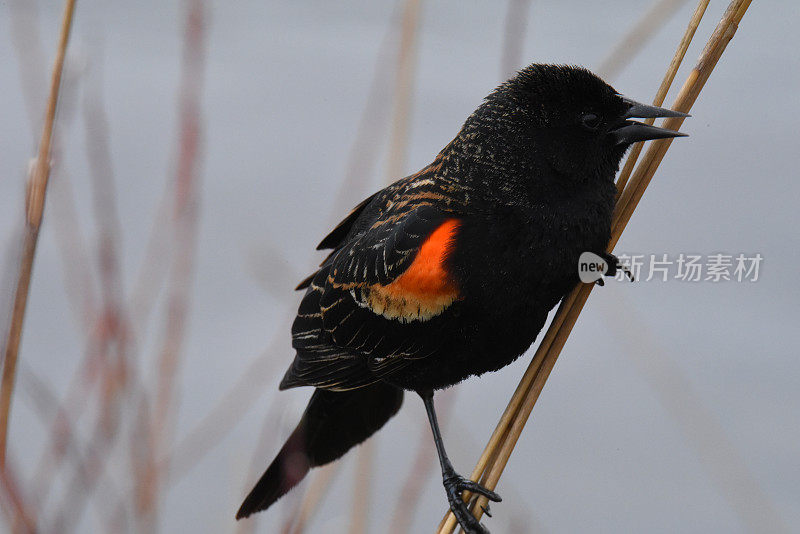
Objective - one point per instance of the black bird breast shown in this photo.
(512, 265)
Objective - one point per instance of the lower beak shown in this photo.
(632, 131)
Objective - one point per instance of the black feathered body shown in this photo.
(513, 266)
(452, 271)
(522, 226)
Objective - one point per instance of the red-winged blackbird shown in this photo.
(451, 272)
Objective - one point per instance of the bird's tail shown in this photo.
(332, 424)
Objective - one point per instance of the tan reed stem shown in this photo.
(635, 39)
(364, 467)
(537, 373)
(20, 516)
(34, 209)
(661, 94)
(398, 152)
(404, 84)
(417, 476)
(312, 498)
(514, 30)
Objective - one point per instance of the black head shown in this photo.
(563, 121)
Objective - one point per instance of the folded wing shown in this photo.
(376, 297)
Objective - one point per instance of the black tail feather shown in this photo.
(332, 424)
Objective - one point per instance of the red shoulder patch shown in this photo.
(425, 288)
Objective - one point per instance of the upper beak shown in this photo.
(631, 131)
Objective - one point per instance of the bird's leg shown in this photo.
(454, 483)
(613, 266)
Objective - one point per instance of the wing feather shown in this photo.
(375, 295)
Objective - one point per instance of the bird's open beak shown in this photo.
(631, 131)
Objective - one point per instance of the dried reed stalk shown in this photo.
(515, 27)
(398, 148)
(34, 209)
(241, 397)
(228, 411)
(88, 463)
(637, 37)
(514, 36)
(374, 119)
(312, 498)
(110, 340)
(502, 442)
(24, 30)
(404, 83)
(420, 469)
(275, 418)
(19, 514)
(113, 315)
(398, 153)
(77, 272)
(185, 217)
(364, 466)
(661, 94)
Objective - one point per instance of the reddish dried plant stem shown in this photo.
(159, 423)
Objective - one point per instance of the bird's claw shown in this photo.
(454, 485)
(614, 265)
(625, 270)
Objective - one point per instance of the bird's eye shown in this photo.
(590, 121)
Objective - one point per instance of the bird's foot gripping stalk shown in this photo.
(613, 266)
(454, 485)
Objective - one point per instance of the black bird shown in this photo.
(450, 272)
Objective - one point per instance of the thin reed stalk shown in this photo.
(274, 418)
(24, 26)
(311, 499)
(113, 315)
(87, 462)
(398, 150)
(420, 469)
(185, 218)
(502, 443)
(229, 410)
(637, 37)
(661, 94)
(398, 154)
(24, 31)
(364, 467)
(34, 210)
(373, 121)
(514, 36)
(362, 157)
(111, 341)
(77, 272)
(363, 154)
(403, 89)
(15, 507)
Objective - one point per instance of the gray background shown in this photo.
(655, 377)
